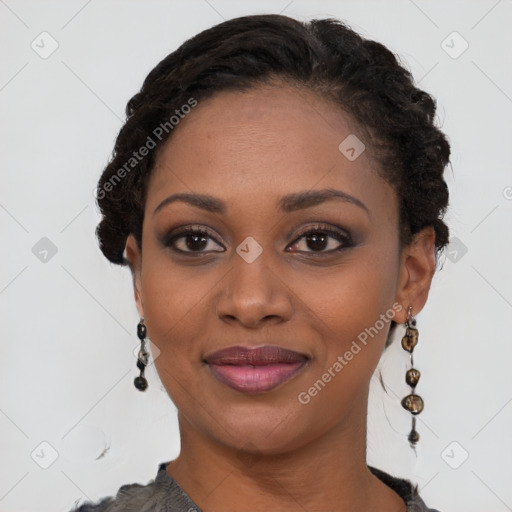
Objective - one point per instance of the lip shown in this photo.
(255, 370)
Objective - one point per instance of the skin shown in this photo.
(269, 451)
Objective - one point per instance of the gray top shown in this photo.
(163, 494)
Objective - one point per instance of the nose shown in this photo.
(254, 294)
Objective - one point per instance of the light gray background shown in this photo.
(68, 319)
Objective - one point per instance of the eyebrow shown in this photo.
(288, 203)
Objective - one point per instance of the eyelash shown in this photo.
(344, 239)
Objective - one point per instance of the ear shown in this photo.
(134, 258)
(417, 269)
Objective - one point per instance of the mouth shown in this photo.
(255, 370)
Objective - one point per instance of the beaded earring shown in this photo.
(140, 382)
(412, 402)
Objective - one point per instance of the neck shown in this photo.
(328, 473)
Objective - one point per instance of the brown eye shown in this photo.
(322, 240)
(192, 240)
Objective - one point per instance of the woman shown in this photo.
(277, 192)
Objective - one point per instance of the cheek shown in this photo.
(173, 303)
(351, 310)
(350, 296)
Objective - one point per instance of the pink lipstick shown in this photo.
(255, 370)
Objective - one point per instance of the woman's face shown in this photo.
(279, 266)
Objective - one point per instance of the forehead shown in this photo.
(262, 144)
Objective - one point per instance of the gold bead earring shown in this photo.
(412, 402)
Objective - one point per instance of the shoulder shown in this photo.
(161, 494)
(405, 489)
(129, 498)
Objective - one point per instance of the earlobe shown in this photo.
(133, 256)
(416, 272)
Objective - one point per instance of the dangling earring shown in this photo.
(140, 382)
(412, 402)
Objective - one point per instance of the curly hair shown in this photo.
(361, 76)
